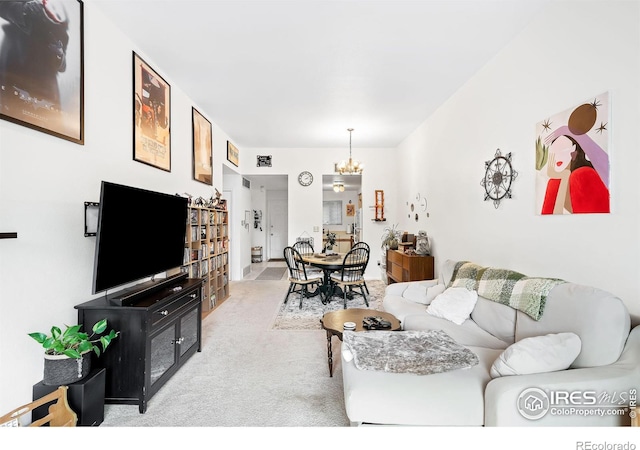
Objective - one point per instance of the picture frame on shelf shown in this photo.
(42, 87)
(202, 148)
(233, 154)
(151, 116)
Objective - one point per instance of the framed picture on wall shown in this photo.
(233, 154)
(41, 71)
(151, 116)
(572, 159)
(351, 209)
(202, 148)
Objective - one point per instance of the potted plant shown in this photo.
(390, 238)
(331, 241)
(67, 354)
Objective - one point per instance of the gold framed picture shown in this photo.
(202, 148)
(152, 116)
(233, 154)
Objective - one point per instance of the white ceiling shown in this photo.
(297, 74)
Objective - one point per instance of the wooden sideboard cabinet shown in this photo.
(402, 267)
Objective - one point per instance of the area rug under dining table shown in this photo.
(289, 316)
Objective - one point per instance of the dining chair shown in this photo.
(352, 273)
(305, 248)
(364, 245)
(298, 276)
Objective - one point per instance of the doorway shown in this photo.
(342, 209)
(277, 231)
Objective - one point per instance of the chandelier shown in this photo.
(350, 167)
(338, 186)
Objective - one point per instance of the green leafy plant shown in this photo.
(73, 342)
(331, 239)
(390, 237)
(542, 154)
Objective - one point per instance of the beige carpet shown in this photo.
(247, 373)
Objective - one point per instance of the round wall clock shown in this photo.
(498, 177)
(305, 178)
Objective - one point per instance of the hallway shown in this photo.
(257, 268)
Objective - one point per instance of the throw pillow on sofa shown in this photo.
(423, 292)
(417, 291)
(538, 354)
(454, 304)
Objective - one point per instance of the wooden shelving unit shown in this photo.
(206, 254)
(379, 206)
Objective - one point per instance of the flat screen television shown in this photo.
(140, 234)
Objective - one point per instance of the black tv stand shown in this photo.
(159, 329)
(132, 295)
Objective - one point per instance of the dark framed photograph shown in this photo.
(41, 66)
(233, 154)
(264, 160)
(151, 115)
(202, 148)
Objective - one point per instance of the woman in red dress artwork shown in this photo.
(574, 184)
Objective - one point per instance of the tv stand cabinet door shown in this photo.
(171, 346)
(146, 333)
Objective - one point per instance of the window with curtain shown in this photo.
(332, 212)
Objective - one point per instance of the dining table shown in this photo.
(328, 263)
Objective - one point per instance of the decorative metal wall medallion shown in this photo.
(264, 161)
(498, 177)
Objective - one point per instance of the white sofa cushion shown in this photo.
(496, 318)
(434, 291)
(406, 399)
(598, 317)
(539, 354)
(422, 292)
(467, 334)
(400, 307)
(454, 304)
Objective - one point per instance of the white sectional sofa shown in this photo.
(604, 377)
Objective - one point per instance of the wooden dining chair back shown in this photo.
(363, 244)
(351, 274)
(299, 279)
(304, 247)
(60, 414)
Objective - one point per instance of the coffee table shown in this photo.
(334, 321)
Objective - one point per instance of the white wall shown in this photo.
(305, 202)
(44, 182)
(569, 54)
